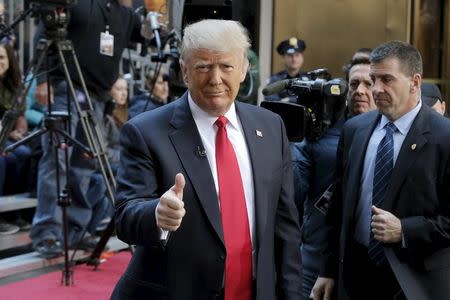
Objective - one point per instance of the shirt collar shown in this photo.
(207, 119)
(403, 123)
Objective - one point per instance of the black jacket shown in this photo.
(418, 195)
(158, 144)
(88, 18)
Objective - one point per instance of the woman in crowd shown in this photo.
(157, 94)
(12, 104)
(119, 95)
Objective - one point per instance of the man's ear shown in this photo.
(416, 81)
(245, 67)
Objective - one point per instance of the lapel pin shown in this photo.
(413, 147)
(259, 133)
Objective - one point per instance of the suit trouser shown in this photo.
(365, 280)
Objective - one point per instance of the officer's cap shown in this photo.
(430, 93)
(291, 45)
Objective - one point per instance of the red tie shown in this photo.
(238, 267)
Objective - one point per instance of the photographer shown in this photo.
(314, 163)
(99, 30)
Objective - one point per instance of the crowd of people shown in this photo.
(13, 167)
(219, 203)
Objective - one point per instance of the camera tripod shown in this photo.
(58, 127)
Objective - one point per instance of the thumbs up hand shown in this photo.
(170, 209)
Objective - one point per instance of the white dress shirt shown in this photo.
(208, 130)
(364, 206)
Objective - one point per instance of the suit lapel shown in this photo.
(186, 140)
(409, 152)
(249, 125)
(357, 155)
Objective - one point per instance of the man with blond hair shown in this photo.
(205, 186)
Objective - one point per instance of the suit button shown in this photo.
(221, 258)
(342, 261)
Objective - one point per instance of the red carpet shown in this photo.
(88, 284)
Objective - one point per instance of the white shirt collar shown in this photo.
(207, 119)
(403, 123)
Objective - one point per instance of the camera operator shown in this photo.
(99, 30)
(314, 163)
(291, 51)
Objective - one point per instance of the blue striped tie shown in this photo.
(384, 163)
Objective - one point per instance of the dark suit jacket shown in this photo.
(160, 143)
(419, 194)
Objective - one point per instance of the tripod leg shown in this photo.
(97, 136)
(94, 259)
(30, 137)
(75, 142)
(90, 125)
(99, 151)
(64, 202)
(92, 133)
(43, 46)
(67, 273)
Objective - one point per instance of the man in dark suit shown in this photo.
(205, 186)
(389, 222)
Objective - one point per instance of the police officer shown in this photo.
(291, 51)
(431, 96)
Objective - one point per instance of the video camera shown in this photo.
(319, 105)
(54, 15)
